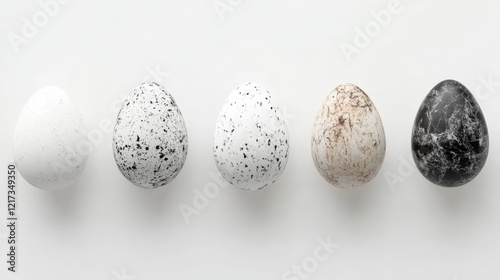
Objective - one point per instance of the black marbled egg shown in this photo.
(450, 136)
(150, 141)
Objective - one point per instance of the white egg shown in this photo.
(150, 141)
(50, 140)
(251, 138)
(348, 141)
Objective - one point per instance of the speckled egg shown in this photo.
(348, 139)
(251, 138)
(150, 141)
(50, 140)
(450, 138)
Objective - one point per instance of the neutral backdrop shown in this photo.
(398, 227)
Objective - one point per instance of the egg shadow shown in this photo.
(256, 204)
(261, 208)
(456, 201)
(65, 203)
(452, 214)
(354, 203)
(156, 202)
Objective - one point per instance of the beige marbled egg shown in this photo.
(348, 139)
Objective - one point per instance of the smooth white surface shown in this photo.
(99, 50)
(48, 140)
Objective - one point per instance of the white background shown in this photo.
(106, 228)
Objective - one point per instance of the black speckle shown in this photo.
(138, 138)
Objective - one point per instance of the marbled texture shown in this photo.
(450, 136)
(150, 141)
(348, 139)
(251, 138)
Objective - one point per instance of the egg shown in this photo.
(150, 141)
(450, 137)
(251, 138)
(348, 139)
(50, 140)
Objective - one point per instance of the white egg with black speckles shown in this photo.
(50, 140)
(251, 138)
(348, 139)
(150, 141)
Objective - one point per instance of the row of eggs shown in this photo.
(251, 142)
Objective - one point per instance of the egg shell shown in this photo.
(50, 140)
(348, 139)
(450, 140)
(251, 138)
(150, 141)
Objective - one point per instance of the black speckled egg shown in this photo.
(450, 136)
(251, 138)
(150, 140)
